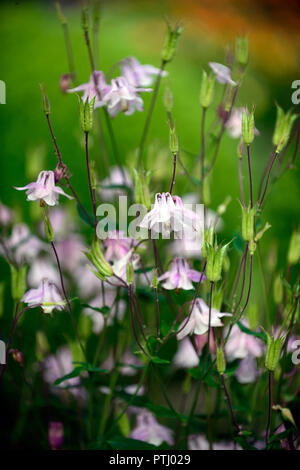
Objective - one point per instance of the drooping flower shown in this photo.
(223, 73)
(117, 245)
(96, 87)
(117, 177)
(149, 430)
(56, 435)
(5, 215)
(186, 356)
(169, 214)
(47, 294)
(41, 268)
(138, 75)
(240, 345)
(123, 97)
(180, 276)
(234, 123)
(201, 340)
(247, 372)
(22, 245)
(120, 266)
(44, 188)
(198, 321)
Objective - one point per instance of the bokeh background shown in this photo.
(33, 52)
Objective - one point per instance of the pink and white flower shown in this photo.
(96, 87)
(186, 356)
(240, 345)
(223, 73)
(47, 295)
(147, 429)
(42, 268)
(22, 245)
(180, 276)
(123, 97)
(44, 188)
(198, 321)
(117, 245)
(120, 266)
(138, 75)
(170, 214)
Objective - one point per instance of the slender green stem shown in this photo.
(209, 315)
(275, 154)
(234, 421)
(250, 176)
(92, 192)
(270, 399)
(149, 115)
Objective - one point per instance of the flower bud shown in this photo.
(242, 50)
(56, 435)
(273, 352)
(283, 127)
(173, 141)
(247, 223)
(168, 99)
(248, 126)
(294, 248)
(46, 103)
(17, 356)
(170, 45)
(221, 362)
(129, 273)
(278, 289)
(86, 114)
(215, 258)
(18, 281)
(207, 89)
(141, 187)
(65, 82)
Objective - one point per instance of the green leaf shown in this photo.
(104, 310)
(83, 216)
(159, 360)
(246, 330)
(75, 373)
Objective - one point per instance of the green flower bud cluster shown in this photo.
(242, 50)
(96, 257)
(86, 114)
(273, 352)
(207, 89)
(171, 41)
(283, 127)
(215, 261)
(248, 126)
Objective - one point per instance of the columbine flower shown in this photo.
(247, 372)
(42, 268)
(117, 245)
(201, 340)
(96, 87)
(139, 75)
(117, 177)
(21, 245)
(44, 188)
(180, 276)
(234, 123)
(123, 97)
(5, 215)
(47, 294)
(120, 266)
(198, 321)
(170, 214)
(186, 356)
(241, 345)
(149, 430)
(223, 73)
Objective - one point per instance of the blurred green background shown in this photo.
(34, 53)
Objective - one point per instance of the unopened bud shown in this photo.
(170, 45)
(56, 435)
(65, 82)
(96, 257)
(223, 207)
(17, 356)
(207, 89)
(221, 362)
(248, 126)
(294, 248)
(242, 50)
(173, 141)
(215, 258)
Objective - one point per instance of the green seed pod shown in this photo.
(248, 126)
(208, 239)
(247, 223)
(96, 257)
(18, 282)
(294, 248)
(221, 362)
(215, 258)
(278, 289)
(242, 50)
(283, 127)
(273, 352)
(171, 41)
(207, 89)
